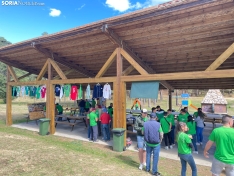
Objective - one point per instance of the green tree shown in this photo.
(45, 33)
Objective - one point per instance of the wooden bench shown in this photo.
(65, 122)
(213, 121)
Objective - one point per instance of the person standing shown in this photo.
(93, 125)
(87, 105)
(110, 112)
(200, 126)
(93, 103)
(138, 126)
(88, 123)
(153, 136)
(184, 149)
(172, 120)
(136, 104)
(98, 113)
(105, 122)
(195, 114)
(183, 116)
(166, 128)
(81, 106)
(159, 113)
(223, 137)
(192, 131)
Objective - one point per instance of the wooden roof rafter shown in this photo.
(63, 60)
(115, 39)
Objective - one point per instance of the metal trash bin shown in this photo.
(118, 139)
(44, 126)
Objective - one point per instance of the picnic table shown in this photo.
(70, 120)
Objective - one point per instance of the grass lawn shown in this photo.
(26, 153)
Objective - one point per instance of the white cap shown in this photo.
(144, 111)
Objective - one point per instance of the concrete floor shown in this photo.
(80, 133)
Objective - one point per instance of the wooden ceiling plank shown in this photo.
(57, 69)
(12, 72)
(107, 64)
(222, 58)
(43, 71)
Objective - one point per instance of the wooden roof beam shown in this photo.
(115, 39)
(63, 60)
(24, 76)
(43, 71)
(12, 72)
(222, 58)
(128, 70)
(57, 69)
(107, 64)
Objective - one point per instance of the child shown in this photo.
(192, 131)
(200, 127)
(166, 128)
(184, 149)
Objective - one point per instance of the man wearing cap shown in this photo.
(159, 113)
(105, 123)
(153, 136)
(139, 125)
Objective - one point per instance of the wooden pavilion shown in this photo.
(184, 44)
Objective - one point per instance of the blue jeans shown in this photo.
(173, 134)
(106, 131)
(155, 151)
(81, 110)
(187, 158)
(194, 140)
(199, 134)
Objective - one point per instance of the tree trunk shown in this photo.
(176, 97)
(161, 97)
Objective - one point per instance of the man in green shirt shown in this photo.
(223, 137)
(93, 118)
(183, 116)
(110, 112)
(93, 103)
(87, 105)
(166, 127)
(59, 108)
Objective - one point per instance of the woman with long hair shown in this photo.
(192, 131)
(200, 126)
(184, 149)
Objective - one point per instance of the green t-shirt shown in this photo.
(93, 103)
(195, 114)
(183, 118)
(160, 115)
(110, 112)
(154, 145)
(224, 139)
(59, 108)
(172, 119)
(80, 93)
(92, 119)
(87, 105)
(165, 123)
(183, 140)
(38, 92)
(67, 90)
(192, 128)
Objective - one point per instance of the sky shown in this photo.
(26, 19)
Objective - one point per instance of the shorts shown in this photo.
(141, 142)
(217, 167)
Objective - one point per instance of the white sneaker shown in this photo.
(171, 147)
(195, 152)
(197, 143)
(166, 148)
(200, 143)
(144, 164)
(141, 166)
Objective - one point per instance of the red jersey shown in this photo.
(105, 118)
(74, 92)
(43, 92)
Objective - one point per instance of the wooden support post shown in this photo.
(8, 101)
(50, 100)
(169, 99)
(12, 72)
(128, 70)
